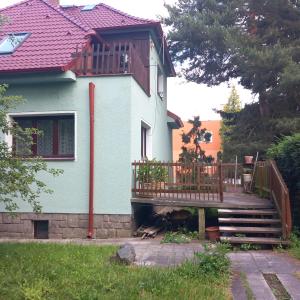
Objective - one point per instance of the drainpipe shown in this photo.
(90, 232)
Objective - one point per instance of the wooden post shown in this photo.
(201, 219)
(220, 181)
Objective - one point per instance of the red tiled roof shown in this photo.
(56, 32)
(53, 37)
(103, 16)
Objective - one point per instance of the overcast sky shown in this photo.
(185, 99)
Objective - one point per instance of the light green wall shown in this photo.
(153, 111)
(120, 106)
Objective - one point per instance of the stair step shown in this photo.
(237, 229)
(253, 240)
(247, 212)
(248, 221)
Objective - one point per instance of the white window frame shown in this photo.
(148, 138)
(11, 116)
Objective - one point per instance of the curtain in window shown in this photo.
(66, 137)
(23, 148)
(45, 139)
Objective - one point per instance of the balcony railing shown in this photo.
(112, 59)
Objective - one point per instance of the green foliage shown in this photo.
(212, 262)
(254, 41)
(176, 238)
(53, 271)
(19, 176)
(152, 171)
(287, 156)
(194, 137)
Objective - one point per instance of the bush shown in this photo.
(286, 153)
(212, 262)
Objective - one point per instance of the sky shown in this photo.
(186, 99)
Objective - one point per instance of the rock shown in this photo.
(126, 254)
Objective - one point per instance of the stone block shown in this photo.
(112, 233)
(9, 219)
(127, 226)
(105, 218)
(83, 223)
(55, 236)
(73, 220)
(118, 225)
(83, 217)
(28, 226)
(101, 233)
(107, 225)
(122, 233)
(125, 218)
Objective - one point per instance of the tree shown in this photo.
(229, 115)
(191, 149)
(256, 41)
(19, 175)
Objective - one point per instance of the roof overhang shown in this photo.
(174, 121)
(34, 78)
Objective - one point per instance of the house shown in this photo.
(95, 82)
(211, 148)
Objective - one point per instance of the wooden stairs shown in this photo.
(250, 226)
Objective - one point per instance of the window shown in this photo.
(10, 43)
(208, 136)
(41, 229)
(160, 83)
(143, 142)
(56, 140)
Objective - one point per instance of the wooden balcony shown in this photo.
(195, 185)
(116, 58)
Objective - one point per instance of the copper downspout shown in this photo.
(90, 233)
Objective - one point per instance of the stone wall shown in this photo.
(65, 226)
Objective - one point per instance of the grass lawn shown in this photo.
(55, 271)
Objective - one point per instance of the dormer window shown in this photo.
(11, 42)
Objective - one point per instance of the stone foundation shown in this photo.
(65, 226)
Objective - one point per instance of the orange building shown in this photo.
(211, 148)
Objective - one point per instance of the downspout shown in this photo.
(90, 232)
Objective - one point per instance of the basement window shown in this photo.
(11, 42)
(41, 229)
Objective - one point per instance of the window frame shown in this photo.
(7, 36)
(146, 140)
(42, 116)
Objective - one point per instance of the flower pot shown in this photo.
(248, 160)
(213, 233)
(247, 178)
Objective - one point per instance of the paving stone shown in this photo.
(259, 287)
(291, 284)
(237, 288)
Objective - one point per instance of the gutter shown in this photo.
(90, 233)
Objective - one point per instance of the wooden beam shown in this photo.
(201, 219)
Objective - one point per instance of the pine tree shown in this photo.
(256, 41)
(229, 114)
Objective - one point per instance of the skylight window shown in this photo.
(88, 7)
(11, 42)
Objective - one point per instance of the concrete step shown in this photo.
(238, 229)
(265, 212)
(253, 240)
(249, 221)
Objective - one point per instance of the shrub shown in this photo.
(286, 153)
(212, 262)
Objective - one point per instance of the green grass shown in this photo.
(55, 271)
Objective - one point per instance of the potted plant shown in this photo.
(247, 175)
(152, 176)
(248, 159)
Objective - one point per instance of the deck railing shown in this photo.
(232, 176)
(177, 181)
(112, 59)
(268, 181)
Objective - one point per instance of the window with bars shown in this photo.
(57, 138)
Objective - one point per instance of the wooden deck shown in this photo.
(231, 200)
